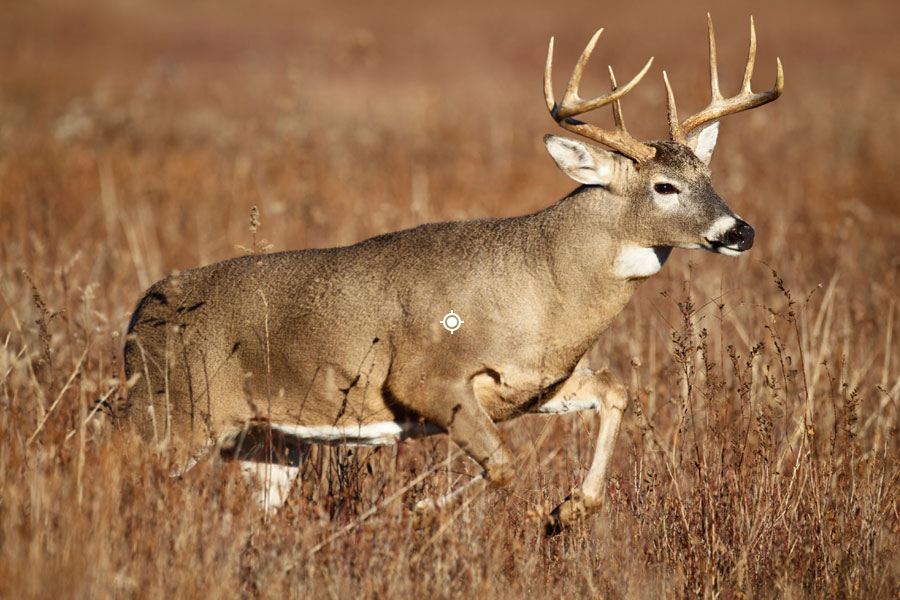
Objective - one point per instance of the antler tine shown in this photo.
(672, 114)
(713, 61)
(617, 105)
(571, 96)
(751, 59)
(720, 106)
(548, 79)
(572, 104)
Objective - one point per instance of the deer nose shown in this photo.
(740, 237)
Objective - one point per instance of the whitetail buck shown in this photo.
(346, 345)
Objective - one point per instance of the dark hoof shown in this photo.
(555, 523)
(553, 526)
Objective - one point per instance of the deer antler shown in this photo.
(719, 106)
(572, 104)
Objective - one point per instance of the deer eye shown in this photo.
(665, 188)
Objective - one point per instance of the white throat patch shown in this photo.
(633, 262)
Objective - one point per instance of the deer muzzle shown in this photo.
(739, 237)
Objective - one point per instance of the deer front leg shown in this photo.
(472, 429)
(455, 408)
(589, 389)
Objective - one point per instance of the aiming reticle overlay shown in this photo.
(452, 321)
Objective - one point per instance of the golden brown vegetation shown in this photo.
(760, 456)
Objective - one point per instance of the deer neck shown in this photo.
(597, 259)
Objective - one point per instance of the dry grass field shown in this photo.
(759, 456)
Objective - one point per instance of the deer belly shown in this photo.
(370, 434)
(260, 440)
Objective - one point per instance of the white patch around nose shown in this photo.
(725, 250)
(633, 262)
(719, 228)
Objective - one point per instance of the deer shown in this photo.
(349, 345)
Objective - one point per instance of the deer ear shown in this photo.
(582, 162)
(703, 141)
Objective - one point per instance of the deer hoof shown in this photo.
(572, 509)
(424, 507)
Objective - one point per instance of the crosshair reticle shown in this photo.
(451, 322)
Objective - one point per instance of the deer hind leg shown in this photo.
(452, 498)
(273, 482)
(602, 391)
(268, 460)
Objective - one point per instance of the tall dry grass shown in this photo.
(759, 456)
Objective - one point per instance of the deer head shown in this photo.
(660, 191)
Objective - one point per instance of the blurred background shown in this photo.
(159, 124)
(136, 136)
